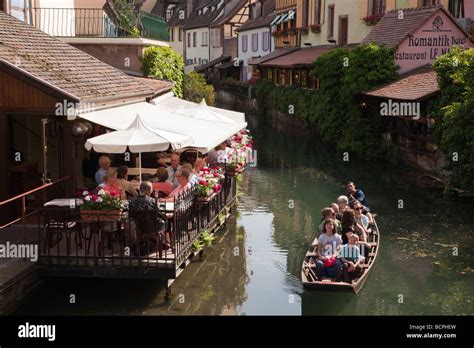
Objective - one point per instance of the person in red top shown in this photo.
(162, 185)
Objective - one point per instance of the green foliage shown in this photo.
(127, 18)
(204, 240)
(334, 109)
(164, 63)
(455, 119)
(195, 88)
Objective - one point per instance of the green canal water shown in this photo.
(424, 265)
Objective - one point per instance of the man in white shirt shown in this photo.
(173, 169)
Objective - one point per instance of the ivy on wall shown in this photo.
(164, 63)
(334, 109)
(454, 115)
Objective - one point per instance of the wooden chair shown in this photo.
(149, 229)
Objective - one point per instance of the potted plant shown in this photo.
(315, 28)
(284, 32)
(292, 31)
(276, 33)
(372, 19)
(209, 183)
(105, 205)
(303, 30)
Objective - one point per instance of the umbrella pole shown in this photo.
(140, 166)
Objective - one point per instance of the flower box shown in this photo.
(304, 30)
(205, 199)
(315, 28)
(101, 215)
(372, 19)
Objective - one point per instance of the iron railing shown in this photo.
(71, 239)
(96, 23)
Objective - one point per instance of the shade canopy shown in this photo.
(172, 103)
(201, 111)
(137, 137)
(205, 134)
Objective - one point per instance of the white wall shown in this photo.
(246, 56)
(198, 53)
(175, 44)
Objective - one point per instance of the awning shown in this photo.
(277, 18)
(303, 57)
(285, 17)
(231, 64)
(213, 62)
(206, 135)
(170, 102)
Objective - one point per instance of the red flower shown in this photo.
(218, 168)
(94, 197)
(203, 182)
(216, 175)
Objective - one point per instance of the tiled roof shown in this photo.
(417, 84)
(230, 10)
(391, 31)
(63, 66)
(158, 86)
(264, 20)
(204, 20)
(302, 57)
(178, 19)
(277, 53)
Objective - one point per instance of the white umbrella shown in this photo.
(138, 137)
(204, 112)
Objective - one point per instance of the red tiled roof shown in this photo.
(391, 31)
(417, 84)
(302, 57)
(277, 53)
(65, 67)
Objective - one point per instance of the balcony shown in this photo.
(284, 4)
(96, 23)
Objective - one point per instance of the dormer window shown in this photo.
(200, 12)
(213, 8)
(204, 10)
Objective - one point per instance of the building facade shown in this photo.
(254, 36)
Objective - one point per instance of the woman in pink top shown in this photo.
(162, 186)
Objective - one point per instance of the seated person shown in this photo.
(104, 165)
(355, 194)
(111, 185)
(183, 185)
(162, 185)
(173, 169)
(144, 202)
(193, 178)
(328, 213)
(198, 165)
(360, 218)
(351, 258)
(343, 204)
(125, 185)
(217, 156)
(329, 243)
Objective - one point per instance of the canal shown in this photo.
(424, 264)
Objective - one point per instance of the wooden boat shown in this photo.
(308, 276)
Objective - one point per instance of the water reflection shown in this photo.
(255, 263)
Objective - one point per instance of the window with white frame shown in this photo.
(265, 41)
